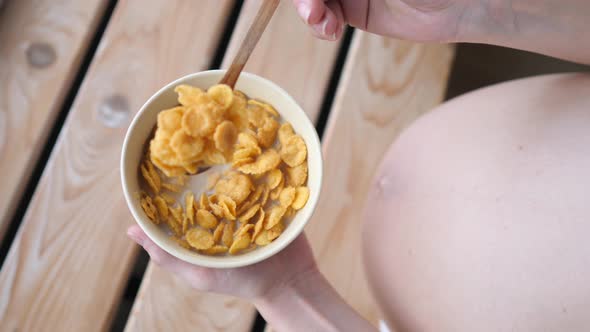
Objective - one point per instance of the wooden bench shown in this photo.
(69, 262)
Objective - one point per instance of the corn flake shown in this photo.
(154, 186)
(228, 205)
(225, 136)
(167, 198)
(244, 228)
(182, 242)
(249, 213)
(154, 175)
(237, 186)
(248, 141)
(268, 160)
(264, 197)
(199, 121)
(285, 131)
(267, 133)
(276, 192)
(242, 242)
(174, 220)
(204, 201)
(268, 108)
(188, 95)
(274, 216)
(259, 225)
(212, 156)
(262, 239)
(185, 146)
(237, 111)
(149, 208)
(189, 200)
(162, 207)
(216, 250)
(221, 94)
(199, 238)
(301, 197)
(206, 219)
(274, 178)
(277, 230)
(169, 121)
(171, 187)
(228, 234)
(294, 151)
(168, 170)
(218, 233)
(287, 196)
(296, 176)
(185, 223)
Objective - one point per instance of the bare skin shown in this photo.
(482, 205)
(488, 213)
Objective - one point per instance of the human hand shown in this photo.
(254, 282)
(420, 20)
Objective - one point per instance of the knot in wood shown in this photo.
(40, 55)
(113, 112)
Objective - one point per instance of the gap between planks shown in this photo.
(139, 267)
(386, 85)
(43, 58)
(71, 248)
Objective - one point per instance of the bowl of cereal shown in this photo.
(219, 177)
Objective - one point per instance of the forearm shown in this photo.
(558, 28)
(310, 304)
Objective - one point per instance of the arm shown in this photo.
(287, 288)
(310, 304)
(557, 28)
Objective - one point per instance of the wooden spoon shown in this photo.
(256, 29)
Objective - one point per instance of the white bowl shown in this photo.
(255, 87)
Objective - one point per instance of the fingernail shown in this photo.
(304, 11)
(334, 36)
(325, 28)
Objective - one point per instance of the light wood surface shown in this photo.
(257, 28)
(288, 55)
(41, 46)
(301, 64)
(386, 84)
(70, 260)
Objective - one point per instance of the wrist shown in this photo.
(289, 289)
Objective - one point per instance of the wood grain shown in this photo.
(286, 54)
(257, 28)
(386, 84)
(70, 260)
(41, 46)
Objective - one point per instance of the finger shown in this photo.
(157, 254)
(199, 277)
(328, 26)
(311, 11)
(336, 7)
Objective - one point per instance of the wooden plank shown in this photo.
(42, 45)
(70, 260)
(288, 54)
(164, 300)
(386, 84)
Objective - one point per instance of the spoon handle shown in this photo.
(256, 29)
